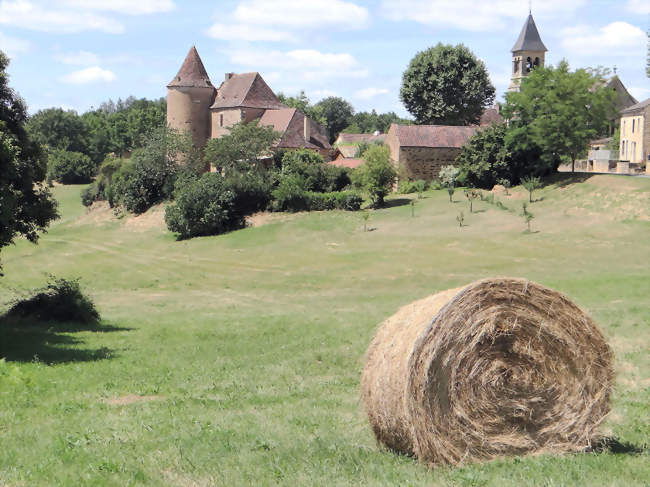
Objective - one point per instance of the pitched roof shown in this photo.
(192, 73)
(529, 39)
(348, 151)
(638, 108)
(357, 138)
(290, 123)
(442, 136)
(349, 163)
(246, 90)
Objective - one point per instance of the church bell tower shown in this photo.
(528, 52)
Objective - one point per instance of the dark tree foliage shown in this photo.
(58, 129)
(490, 157)
(337, 113)
(446, 85)
(242, 150)
(70, 167)
(203, 206)
(26, 205)
(370, 122)
(559, 111)
(312, 173)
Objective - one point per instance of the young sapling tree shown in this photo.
(531, 183)
(526, 215)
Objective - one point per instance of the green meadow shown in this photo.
(235, 360)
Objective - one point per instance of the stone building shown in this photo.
(528, 52)
(635, 134)
(196, 106)
(419, 151)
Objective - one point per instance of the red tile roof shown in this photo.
(349, 163)
(290, 123)
(490, 115)
(192, 73)
(278, 119)
(443, 136)
(246, 90)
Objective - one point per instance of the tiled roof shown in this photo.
(358, 138)
(443, 136)
(348, 162)
(192, 73)
(529, 39)
(278, 119)
(638, 108)
(348, 150)
(246, 90)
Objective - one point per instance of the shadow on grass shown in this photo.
(392, 203)
(23, 340)
(613, 445)
(563, 179)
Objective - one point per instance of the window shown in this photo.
(221, 120)
(623, 128)
(633, 120)
(633, 152)
(529, 64)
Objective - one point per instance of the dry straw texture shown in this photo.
(500, 367)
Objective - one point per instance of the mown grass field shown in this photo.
(248, 347)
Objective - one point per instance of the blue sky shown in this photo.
(78, 53)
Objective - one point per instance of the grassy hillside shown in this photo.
(235, 360)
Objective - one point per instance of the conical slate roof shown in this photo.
(192, 73)
(529, 39)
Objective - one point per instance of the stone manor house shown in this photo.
(196, 106)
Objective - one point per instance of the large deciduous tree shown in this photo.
(446, 85)
(559, 111)
(26, 206)
(337, 113)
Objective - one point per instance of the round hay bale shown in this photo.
(500, 367)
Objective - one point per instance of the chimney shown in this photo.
(307, 128)
(229, 75)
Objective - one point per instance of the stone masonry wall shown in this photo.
(231, 116)
(426, 162)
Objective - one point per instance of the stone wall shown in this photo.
(425, 162)
(223, 119)
(188, 109)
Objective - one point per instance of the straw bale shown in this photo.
(500, 367)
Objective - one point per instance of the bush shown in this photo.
(203, 206)
(317, 175)
(291, 195)
(252, 191)
(339, 200)
(61, 300)
(409, 187)
(70, 167)
(90, 194)
(377, 174)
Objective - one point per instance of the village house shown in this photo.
(196, 106)
(635, 134)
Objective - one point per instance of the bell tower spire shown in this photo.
(528, 52)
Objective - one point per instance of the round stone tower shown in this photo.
(189, 97)
(527, 53)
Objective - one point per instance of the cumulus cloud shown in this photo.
(30, 15)
(251, 19)
(617, 38)
(470, 14)
(12, 46)
(641, 7)
(371, 92)
(83, 58)
(94, 74)
(126, 7)
(308, 64)
(247, 32)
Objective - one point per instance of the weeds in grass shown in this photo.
(460, 219)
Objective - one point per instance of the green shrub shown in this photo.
(203, 206)
(290, 195)
(61, 300)
(90, 194)
(377, 174)
(339, 200)
(317, 175)
(70, 167)
(252, 191)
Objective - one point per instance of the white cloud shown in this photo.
(302, 13)
(251, 19)
(371, 92)
(641, 7)
(617, 38)
(126, 7)
(94, 74)
(13, 46)
(246, 32)
(320, 94)
(30, 15)
(307, 64)
(470, 14)
(83, 58)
